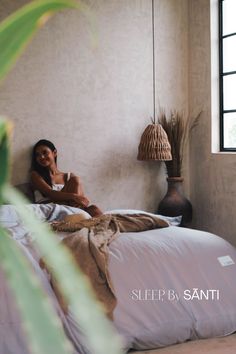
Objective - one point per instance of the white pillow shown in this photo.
(173, 221)
(8, 216)
(51, 212)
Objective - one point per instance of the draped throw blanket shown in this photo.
(89, 240)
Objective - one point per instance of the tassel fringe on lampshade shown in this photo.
(154, 144)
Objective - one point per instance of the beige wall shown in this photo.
(94, 102)
(213, 176)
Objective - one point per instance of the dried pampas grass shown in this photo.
(178, 128)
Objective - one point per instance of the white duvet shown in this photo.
(172, 285)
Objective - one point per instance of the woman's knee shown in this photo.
(74, 183)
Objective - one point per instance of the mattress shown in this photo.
(172, 285)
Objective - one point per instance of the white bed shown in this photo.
(171, 286)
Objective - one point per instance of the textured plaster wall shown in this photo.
(94, 102)
(213, 176)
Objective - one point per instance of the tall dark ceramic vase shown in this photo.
(174, 202)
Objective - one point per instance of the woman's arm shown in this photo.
(55, 196)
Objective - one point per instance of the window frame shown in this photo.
(222, 74)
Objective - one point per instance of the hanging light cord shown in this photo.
(153, 65)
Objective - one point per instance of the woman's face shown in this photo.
(45, 156)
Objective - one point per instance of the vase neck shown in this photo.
(175, 184)
(174, 179)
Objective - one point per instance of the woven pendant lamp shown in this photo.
(154, 144)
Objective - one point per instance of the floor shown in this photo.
(222, 345)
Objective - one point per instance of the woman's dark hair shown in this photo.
(35, 166)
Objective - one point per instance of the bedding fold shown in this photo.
(89, 243)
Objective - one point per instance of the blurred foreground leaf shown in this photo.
(72, 282)
(36, 311)
(44, 333)
(4, 153)
(17, 29)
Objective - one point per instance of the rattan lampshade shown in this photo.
(154, 144)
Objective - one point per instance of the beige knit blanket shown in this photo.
(89, 242)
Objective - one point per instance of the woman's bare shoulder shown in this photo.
(35, 178)
(34, 174)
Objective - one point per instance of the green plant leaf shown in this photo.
(15, 33)
(3, 128)
(4, 153)
(17, 29)
(72, 282)
(39, 320)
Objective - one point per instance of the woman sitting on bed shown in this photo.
(52, 185)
